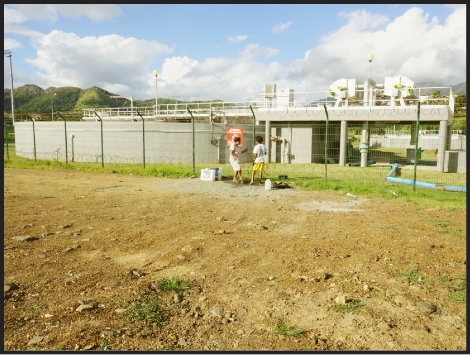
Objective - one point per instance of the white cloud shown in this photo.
(237, 39)
(68, 60)
(231, 79)
(410, 45)
(9, 43)
(174, 69)
(13, 16)
(281, 27)
(51, 12)
(12, 20)
(363, 20)
(115, 88)
(413, 45)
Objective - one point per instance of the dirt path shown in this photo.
(356, 274)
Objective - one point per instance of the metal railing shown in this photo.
(172, 110)
(381, 97)
(390, 97)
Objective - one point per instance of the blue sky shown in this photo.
(229, 52)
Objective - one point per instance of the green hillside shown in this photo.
(456, 89)
(33, 99)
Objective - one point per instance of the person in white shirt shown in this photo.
(235, 153)
(259, 152)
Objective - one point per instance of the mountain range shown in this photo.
(32, 98)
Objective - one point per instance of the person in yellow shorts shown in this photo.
(259, 153)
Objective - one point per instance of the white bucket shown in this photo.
(267, 184)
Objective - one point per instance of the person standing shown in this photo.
(235, 153)
(259, 152)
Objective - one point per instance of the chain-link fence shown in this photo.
(310, 150)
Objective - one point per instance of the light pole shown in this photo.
(156, 72)
(370, 58)
(52, 99)
(8, 54)
(176, 102)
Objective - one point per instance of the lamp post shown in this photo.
(156, 72)
(52, 99)
(8, 54)
(370, 58)
(176, 102)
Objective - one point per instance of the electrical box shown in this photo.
(285, 98)
(269, 91)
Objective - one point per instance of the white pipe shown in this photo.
(289, 145)
(441, 146)
(267, 134)
(364, 143)
(282, 151)
(366, 93)
(343, 143)
(285, 148)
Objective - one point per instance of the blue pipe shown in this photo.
(421, 184)
(456, 188)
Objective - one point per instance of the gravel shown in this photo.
(225, 187)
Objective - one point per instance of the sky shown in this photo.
(229, 52)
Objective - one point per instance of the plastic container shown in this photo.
(267, 184)
(208, 174)
(218, 173)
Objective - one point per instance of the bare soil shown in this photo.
(82, 249)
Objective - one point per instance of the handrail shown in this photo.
(315, 99)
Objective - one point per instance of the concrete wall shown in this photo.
(455, 162)
(425, 141)
(123, 141)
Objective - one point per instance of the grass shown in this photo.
(383, 227)
(351, 306)
(35, 306)
(456, 231)
(282, 327)
(440, 222)
(173, 284)
(146, 309)
(265, 279)
(61, 346)
(408, 275)
(458, 289)
(105, 345)
(362, 182)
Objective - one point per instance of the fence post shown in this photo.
(416, 147)
(65, 127)
(34, 141)
(6, 139)
(325, 173)
(102, 154)
(143, 137)
(254, 126)
(194, 159)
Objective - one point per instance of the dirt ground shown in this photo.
(81, 250)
